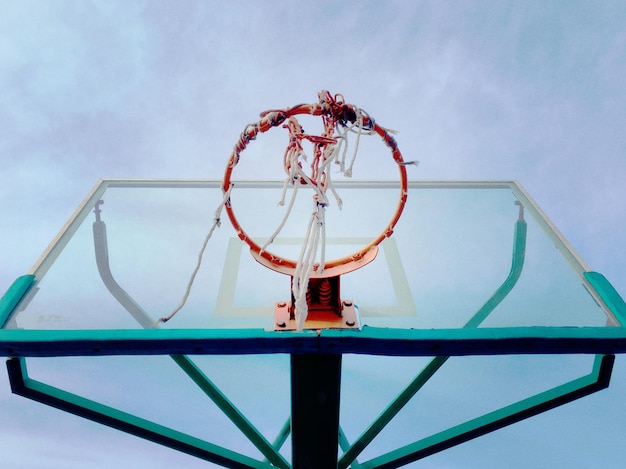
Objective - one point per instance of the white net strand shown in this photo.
(306, 263)
(216, 224)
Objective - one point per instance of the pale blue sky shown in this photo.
(531, 91)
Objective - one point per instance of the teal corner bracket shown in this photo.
(608, 294)
(13, 296)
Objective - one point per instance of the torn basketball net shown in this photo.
(305, 171)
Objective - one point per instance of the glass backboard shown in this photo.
(464, 255)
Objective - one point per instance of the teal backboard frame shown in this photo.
(398, 330)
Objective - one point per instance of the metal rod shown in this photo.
(229, 409)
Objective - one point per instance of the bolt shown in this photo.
(350, 322)
(521, 210)
(281, 324)
(97, 209)
(347, 303)
(281, 304)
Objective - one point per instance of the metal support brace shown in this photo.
(517, 264)
(184, 362)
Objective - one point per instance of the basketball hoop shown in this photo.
(308, 291)
(335, 114)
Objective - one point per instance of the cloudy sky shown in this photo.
(531, 91)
